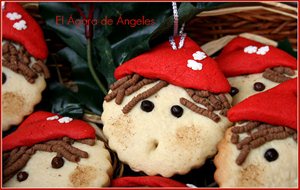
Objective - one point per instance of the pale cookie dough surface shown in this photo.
(245, 85)
(19, 97)
(94, 171)
(156, 142)
(256, 171)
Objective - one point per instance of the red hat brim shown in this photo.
(145, 181)
(233, 61)
(277, 106)
(164, 63)
(36, 129)
(31, 38)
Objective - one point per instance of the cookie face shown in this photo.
(247, 85)
(66, 151)
(269, 165)
(160, 135)
(21, 88)
(18, 97)
(94, 171)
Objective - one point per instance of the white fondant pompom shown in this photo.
(65, 120)
(21, 25)
(199, 55)
(194, 65)
(263, 50)
(250, 49)
(13, 16)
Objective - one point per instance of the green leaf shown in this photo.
(88, 92)
(111, 44)
(286, 46)
(59, 99)
(85, 96)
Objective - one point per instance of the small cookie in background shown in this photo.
(261, 149)
(24, 52)
(252, 67)
(166, 112)
(48, 150)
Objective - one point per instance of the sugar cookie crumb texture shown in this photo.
(82, 176)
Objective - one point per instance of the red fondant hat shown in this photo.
(145, 181)
(19, 26)
(44, 126)
(277, 106)
(188, 67)
(243, 56)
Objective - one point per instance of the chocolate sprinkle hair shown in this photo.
(17, 158)
(278, 74)
(258, 134)
(132, 83)
(19, 62)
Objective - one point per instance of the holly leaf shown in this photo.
(83, 95)
(111, 45)
(286, 46)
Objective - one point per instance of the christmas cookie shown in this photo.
(23, 70)
(252, 67)
(261, 149)
(48, 150)
(166, 112)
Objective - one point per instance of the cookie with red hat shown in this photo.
(261, 149)
(253, 67)
(24, 52)
(167, 110)
(48, 150)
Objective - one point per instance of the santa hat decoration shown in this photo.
(243, 56)
(277, 106)
(43, 126)
(145, 181)
(188, 67)
(19, 26)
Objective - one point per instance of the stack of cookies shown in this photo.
(168, 112)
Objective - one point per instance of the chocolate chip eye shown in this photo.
(258, 86)
(233, 91)
(271, 155)
(22, 176)
(3, 78)
(147, 106)
(177, 111)
(57, 162)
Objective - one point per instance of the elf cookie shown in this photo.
(252, 67)
(23, 70)
(48, 150)
(165, 113)
(262, 150)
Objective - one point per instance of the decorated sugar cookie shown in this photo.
(261, 149)
(252, 67)
(24, 52)
(166, 112)
(48, 150)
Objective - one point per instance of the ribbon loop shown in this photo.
(175, 32)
